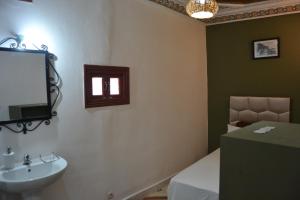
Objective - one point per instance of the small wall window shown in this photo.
(106, 85)
(97, 86)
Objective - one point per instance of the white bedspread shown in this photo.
(200, 181)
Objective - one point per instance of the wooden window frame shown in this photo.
(106, 72)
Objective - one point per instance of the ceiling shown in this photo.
(239, 1)
(231, 4)
(236, 10)
(228, 1)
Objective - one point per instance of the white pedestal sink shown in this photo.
(30, 180)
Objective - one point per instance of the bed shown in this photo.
(200, 181)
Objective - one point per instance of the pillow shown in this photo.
(231, 128)
(242, 124)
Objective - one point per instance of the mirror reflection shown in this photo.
(23, 85)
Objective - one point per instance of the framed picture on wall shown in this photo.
(266, 48)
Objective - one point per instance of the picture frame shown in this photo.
(266, 48)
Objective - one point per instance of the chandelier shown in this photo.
(202, 9)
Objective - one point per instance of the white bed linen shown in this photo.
(199, 181)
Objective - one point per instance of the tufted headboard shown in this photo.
(253, 109)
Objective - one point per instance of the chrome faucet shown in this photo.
(27, 159)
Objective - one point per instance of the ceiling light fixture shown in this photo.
(202, 9)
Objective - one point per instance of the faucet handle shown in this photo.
(27, 157)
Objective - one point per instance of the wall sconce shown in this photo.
(18, 39)
(29, 1)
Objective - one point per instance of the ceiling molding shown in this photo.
(265, 5)
(231, 13)
(250, 15)
(178, 7)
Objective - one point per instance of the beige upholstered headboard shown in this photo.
(253, 109)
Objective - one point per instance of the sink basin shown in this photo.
(34, 177)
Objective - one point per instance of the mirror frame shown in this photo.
(47, 76)
(53, 84)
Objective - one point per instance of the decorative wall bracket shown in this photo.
(55, 82)
(17, 41)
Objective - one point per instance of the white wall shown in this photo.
(124, 148)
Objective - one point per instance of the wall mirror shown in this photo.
(28, 81)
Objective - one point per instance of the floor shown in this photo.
(161, 194)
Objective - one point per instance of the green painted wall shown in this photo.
(231, 70)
